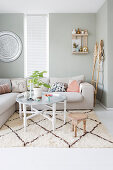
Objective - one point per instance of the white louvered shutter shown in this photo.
(37, 44)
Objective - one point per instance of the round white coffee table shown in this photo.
(56, 98)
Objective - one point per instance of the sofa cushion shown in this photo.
(5, 81)
(71, 96)
(66, 80)
(6, 101)
(5, 88)
(19, 85)
(58, 87)
(74, 86)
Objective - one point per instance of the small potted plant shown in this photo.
(36, 79)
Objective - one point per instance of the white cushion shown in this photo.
(78, 78)
(55, 79)
(19, 85)
(71, 96)
(6, 101)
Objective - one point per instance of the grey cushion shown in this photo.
(72, 96)
(6, 101)
(5, 81)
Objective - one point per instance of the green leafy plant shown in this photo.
(36, 79)
(74, 45)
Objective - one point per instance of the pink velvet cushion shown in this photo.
(74, 86)
(4, 89)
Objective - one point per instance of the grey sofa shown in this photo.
(7, 103)
(82, 100)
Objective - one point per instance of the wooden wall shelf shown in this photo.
(80, 53)
(79, 35)
(80, 42)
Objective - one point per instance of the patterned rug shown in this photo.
(39, 133)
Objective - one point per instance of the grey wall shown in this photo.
(110, 52)
(104, 31)
(14, 23)
(62, 62)
(101, 34)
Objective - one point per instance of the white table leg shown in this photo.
(20, 110)
(64, 111)
(31, 107)
(54, 117)
(25, 120)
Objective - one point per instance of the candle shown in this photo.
(30, 88)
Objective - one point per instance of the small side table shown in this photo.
(76, 118)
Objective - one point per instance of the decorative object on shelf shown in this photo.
(81, 49)
(85, 49)
(80, 42)
(48, 96)
(77, 49)
(10, 46)
(85, 31)
(82, 32)
(78, 31)
(38, 83)
(76, 44)
(73, 30)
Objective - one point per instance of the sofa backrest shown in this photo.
(51, 80)
(66, 80)
(5, 81)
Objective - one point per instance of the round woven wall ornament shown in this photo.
(10, 46)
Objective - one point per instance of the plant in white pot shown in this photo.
(38, 83)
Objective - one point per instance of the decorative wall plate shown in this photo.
(10, 46)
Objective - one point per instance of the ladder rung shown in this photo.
(100, 84)
(100, 70)
(95, 92)
(94, 81)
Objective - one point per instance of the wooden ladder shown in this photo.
(98, 58)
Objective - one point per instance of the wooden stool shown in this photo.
(76, 118)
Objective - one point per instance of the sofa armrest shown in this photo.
(87, 90)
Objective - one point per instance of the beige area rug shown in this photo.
(39, 133)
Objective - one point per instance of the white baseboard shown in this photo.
(109, 109)
(106, 108)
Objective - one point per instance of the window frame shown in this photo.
(25, 42)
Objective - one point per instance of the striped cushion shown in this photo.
(5, 88)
